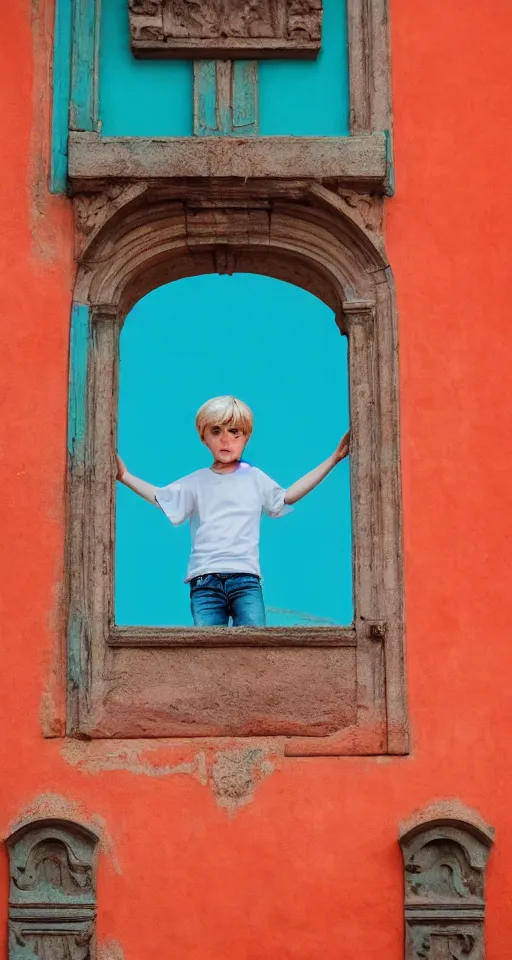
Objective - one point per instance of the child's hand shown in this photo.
(343, 448)
(121, 467)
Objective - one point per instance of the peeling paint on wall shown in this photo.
(233, 775)
(135, 756)
(45, 237)
(110, 950)
(52, 708)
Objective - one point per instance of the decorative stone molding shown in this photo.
(52, 898)
(444, 862)
(156, 231)
(229, 29)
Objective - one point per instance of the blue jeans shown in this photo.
(215, 597)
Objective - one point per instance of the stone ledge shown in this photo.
(346, 160)
(304, 636)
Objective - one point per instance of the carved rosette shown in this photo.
(52, 900)
(444, 863)
(215, 29)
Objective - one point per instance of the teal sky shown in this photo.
(278, 348)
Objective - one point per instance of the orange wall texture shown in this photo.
(309, 866)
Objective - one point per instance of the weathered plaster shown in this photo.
(140, 757)
(45, 236)
(445, 808)
(235, 774)
(232, 774)
(52, 708)
(109, 950)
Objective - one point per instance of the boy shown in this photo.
(224, 504)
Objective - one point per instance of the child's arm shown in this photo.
(311, 480)
(145, 490)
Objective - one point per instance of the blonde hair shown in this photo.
(224, 410)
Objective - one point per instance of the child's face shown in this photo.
(225, 442)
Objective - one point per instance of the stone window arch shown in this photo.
(326, 690)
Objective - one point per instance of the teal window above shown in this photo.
(155, 98)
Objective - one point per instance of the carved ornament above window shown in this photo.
(52, 897)
(445, 858)
(213, 29)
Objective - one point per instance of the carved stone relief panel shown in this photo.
(52, 898)
(445, 861)
(209, 29)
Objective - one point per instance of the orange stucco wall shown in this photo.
(310, 867)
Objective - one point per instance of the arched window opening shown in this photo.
(278, 348)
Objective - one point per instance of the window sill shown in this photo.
(214, 637)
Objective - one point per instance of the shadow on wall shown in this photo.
(278, 348)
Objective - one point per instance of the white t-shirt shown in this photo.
(224, 512)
